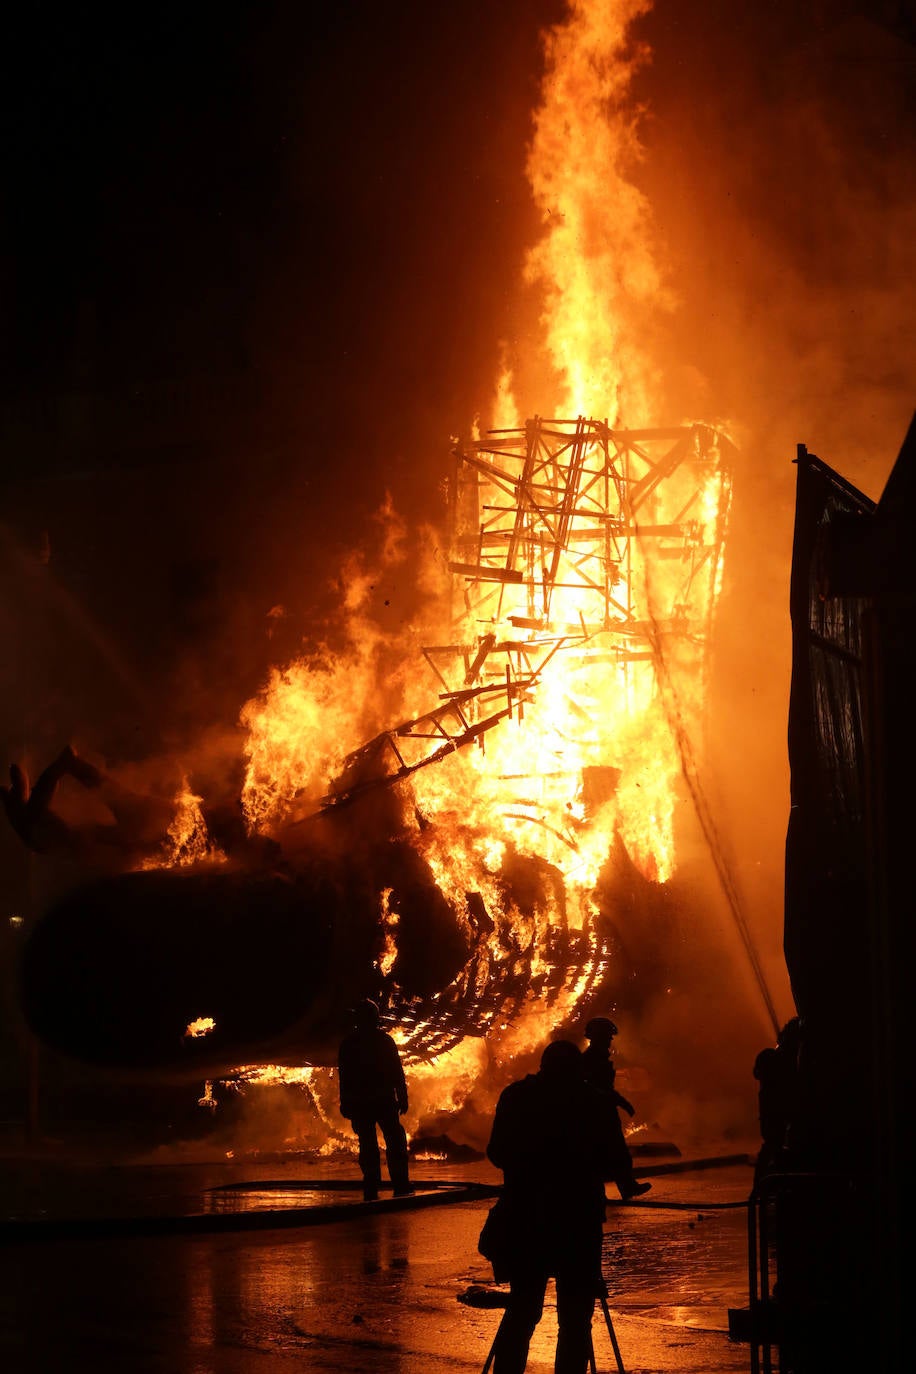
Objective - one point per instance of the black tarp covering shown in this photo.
(848, 918)
(826, 858)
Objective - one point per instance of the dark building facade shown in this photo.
(848, 912)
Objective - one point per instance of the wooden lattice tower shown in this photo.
(568, 537)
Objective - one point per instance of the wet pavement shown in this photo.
(344, 1286)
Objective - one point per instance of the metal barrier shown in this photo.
(799, 1274)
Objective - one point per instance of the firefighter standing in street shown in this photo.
(601, 1074)
(373, 1093)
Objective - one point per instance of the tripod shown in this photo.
(602, 1299)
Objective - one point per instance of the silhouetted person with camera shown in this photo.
(373, 1093)
(551, 1141)
(601, 1075)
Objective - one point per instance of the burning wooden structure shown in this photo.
(585, 564)
(551, 527)
(585, 560)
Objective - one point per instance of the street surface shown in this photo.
(373, 1293)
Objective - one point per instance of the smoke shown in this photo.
(779, 155)
(778, 162)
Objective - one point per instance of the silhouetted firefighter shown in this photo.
(601, 1075)
(373, 1093)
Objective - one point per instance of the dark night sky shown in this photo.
(272, 221)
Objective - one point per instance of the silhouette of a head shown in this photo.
(561, 1062)
(600, 1030)
(366, 1014)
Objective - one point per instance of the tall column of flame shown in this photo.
(596, 261)
(596, 267)
(597, 270)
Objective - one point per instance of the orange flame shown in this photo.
(187, 838)
(589, 750)
(389, 921)
(596, 261)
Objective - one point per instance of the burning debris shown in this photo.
(554, 558)
(585, 568)
(477, 897)
(187, 839)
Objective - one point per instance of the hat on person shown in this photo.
(365, 1012)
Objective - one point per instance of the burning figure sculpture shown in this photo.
(468, 888)
(139, 821)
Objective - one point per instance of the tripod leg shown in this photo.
(593, 1368)
(602, 1298)
(492, 1355)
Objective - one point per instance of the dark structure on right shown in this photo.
(833, 1203)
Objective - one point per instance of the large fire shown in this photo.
(545, 696)
(458, 818)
